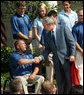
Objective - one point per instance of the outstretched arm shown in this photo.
(44, 54)
(25, 61)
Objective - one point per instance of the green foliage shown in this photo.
(8, 8)
(5, 53)
(34, 54)
(3, 77)
(43, 69)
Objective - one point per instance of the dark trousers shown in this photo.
(63, 77)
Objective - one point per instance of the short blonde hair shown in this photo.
(42, 5)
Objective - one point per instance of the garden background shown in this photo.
(8, 9)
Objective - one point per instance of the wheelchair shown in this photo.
(31, 87)
(8, 80)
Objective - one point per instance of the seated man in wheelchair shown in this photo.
(22, 65)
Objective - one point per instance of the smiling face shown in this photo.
(21, 10)
(42, 12)
(21, 46)
(80, 15)
(66, 6)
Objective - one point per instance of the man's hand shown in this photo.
(32, 77)
(72, 58)
(43, 47)
(81, 52)
(28, 41)
(37, 60)
(54, 90)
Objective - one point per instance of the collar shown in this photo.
(40, 19)
(80, 22)
(65, 13)
(19, 52)
(20, 15)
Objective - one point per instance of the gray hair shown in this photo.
(15, 85)
(48, 20)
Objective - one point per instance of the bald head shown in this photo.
(48, 88)
(80, 15)
(20, 45)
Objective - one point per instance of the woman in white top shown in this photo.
(67, 16)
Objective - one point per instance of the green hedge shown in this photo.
(3, 77)
(8, 8)
(5, 53)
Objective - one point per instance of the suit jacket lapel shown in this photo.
(51, 43)
(51, 40)
(57, 34)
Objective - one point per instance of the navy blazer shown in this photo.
(42, 40)
(64, 47)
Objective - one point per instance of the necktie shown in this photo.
(53, 37)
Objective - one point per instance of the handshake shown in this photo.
(37, 60)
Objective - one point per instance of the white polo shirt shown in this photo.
(67, 19)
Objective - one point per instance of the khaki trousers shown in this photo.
(50, 68)
(49, 60)
(37, 81)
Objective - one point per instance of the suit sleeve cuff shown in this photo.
(41, 57)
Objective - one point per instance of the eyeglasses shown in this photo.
(80, 15)
(22, 8)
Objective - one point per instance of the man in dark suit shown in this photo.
(62, 45)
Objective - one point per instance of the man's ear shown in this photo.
(50, 24)
(56, 17)
(21, 91)
(41, 92)
(17, 47)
